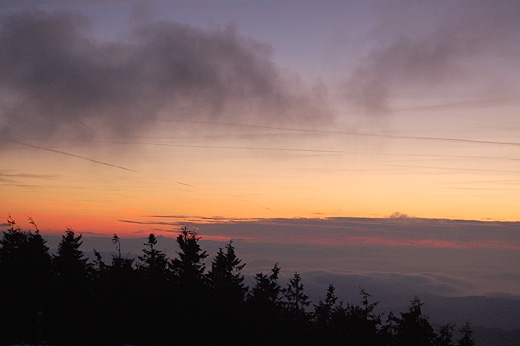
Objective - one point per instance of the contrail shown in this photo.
(450, 168)
(269, 209)
(73, 155)
(302, 150)
(360, 134)
(248, 148)
(444, 139)
(181, 183)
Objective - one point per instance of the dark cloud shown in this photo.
(421, 50)
(54, 77)
(399, 215)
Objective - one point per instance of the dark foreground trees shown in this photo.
(25, 277)
(63, 299)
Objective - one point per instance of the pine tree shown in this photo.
(362, 323)
(189, 267)
(323, 311)
(445, 337)
(467, 335)
(70, 264)
(225, 277)
(266, 291)
(153, 264)
(264, 309)
(226, 297)
(190, 289)
(72, 274)
(295, 300)
(413, 327)
(25, 273)
(294, 318)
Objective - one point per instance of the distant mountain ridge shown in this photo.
(495, 321)
(484, 311)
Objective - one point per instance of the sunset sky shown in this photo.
(119, 117)
(370, 144)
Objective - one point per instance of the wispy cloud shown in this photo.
(15, 178)
(13, 174)
(446, 47)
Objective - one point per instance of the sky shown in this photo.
(370, 142)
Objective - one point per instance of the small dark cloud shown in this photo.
(55, 77)
(399, 215)
(162, 223)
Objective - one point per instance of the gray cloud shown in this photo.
(423, 50)
(54, 77)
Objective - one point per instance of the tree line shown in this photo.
(64, 299)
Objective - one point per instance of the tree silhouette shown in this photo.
(264, 308)
(225, 277)
(467, 335)
(189, 267)
(66, 300)
(266, 291)
(296, 320)
(295, 300)
(153, 264)
(362, 323)
(70, 264)
(413, 327)
(445, 337)
(117, 242)
(226, 296)
(25, 273)
(115, 286)
(72, 275)
(323, 311)
(190, 290)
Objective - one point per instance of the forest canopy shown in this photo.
(63, 298)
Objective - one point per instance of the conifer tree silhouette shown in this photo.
(324, 309)
(295, 300)
(225, 277)
(467, 335)
(66, 300)
(191, 289)
(226, 295)
(72, 274)
(295, 318)
(25, 273)
(413, 328)
(153, 264)
(70, 264)
(264, 308)
(445, 337)
(363, 323)
(189, 267)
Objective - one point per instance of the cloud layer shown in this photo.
(55, 77)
